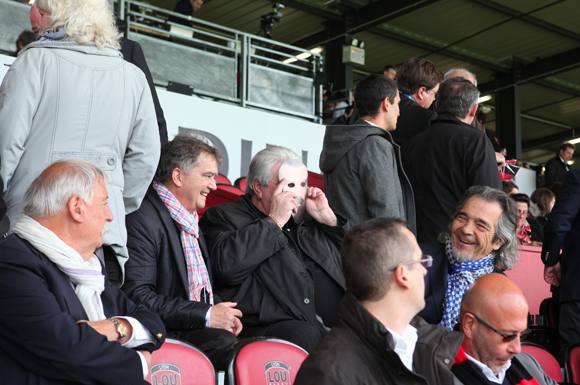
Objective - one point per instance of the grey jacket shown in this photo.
(63, 99)
(532, 366)
(363, 174)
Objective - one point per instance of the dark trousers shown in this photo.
(569, 325)
(216, 344)
(300, 333)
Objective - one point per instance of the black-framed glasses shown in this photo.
(506, 337)
(426, 261)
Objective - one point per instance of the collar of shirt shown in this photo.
(488, 372)
(405, 345)
(371, 123)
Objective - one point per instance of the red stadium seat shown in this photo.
(264, 361)
(180, 363)
(223, 194)
(241, 183)
(572, 362)
(222, 179)
(315, 180)
(546, 359)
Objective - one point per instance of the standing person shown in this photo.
(418, 81)
(379, 339)
(448, 158)
(558, 165)
(562, 232)
(363, 174)
(71, 94)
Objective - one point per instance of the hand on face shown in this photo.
(317, 207)
(282, 203)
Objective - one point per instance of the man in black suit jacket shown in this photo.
(558, 165)
(418, 81)
(62, 322)
(162, 273)
(562, 231)
(481, 239)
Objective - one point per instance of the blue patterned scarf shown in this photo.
(462, 277)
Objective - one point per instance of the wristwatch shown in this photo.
(121, 329)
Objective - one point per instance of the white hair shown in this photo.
(262, 164)
(51, 191)
(450, 72)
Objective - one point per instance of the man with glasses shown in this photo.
(494, 320)
(444, 161)
(480, 239)
(378, 337)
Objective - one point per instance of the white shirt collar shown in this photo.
(489, 373)
(372, 124)
(405, 345)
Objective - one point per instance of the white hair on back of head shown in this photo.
(262, 164)
(51, 191)
(85, 20)
(451, 71)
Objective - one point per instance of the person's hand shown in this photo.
(107, 328)
(224, 316)
(282, 204)
(500, 159)
(553, 274)
(237, 326)
(147, 356)
(318, 208)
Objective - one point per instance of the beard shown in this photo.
(461, 257)
(105, 229)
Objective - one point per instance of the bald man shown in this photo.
(494, 316)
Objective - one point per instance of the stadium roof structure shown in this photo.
(530, 46)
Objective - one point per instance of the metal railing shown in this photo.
(224, 63)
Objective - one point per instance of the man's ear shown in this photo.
(473, 110)
(420, 92)
(386, 104)
(401, 277)
(498, 243)
(76, 208)
(257, 187)
(467, 325)
(176, 176)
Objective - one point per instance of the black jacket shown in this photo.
(555, 170)
(41, 340)
(442, 162)
(562, 231)
(156, 272)
(412, 120)
(255, 263)
(359, 350)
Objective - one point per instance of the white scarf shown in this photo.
(86, 275)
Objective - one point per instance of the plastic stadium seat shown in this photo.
(546, 337)
(545, 358)
(548, 309)
(223, 194)
(264, 361)
(241, 183)
(315, 180)
(572, 362)
(179, 363)
(222, 179)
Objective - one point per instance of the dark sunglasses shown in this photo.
(426, 261)
(506, 337)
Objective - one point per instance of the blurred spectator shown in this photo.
(418, 81)
(510, 187)
(540, 179)
(186, 7)
(519, 163)
(528, 230)
(344, 118)
(558, 165)
(445, 160)
(555, 188)
(339, 106)
(26, 37)
(70, 93)
(545, 200)
(390, 71)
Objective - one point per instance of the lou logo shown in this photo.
(277, 373)
(165, 374)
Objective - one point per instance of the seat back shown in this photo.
(241, 183)
(222, 179)
(265, 361)
(179, 363)
(316, 180)
(546, 359)
(223, 194)
(572, 362)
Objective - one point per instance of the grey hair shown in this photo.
(262, 164)
(450, 72)
(456, 96)
(506, 256)
(50, 192)
(183, 152)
